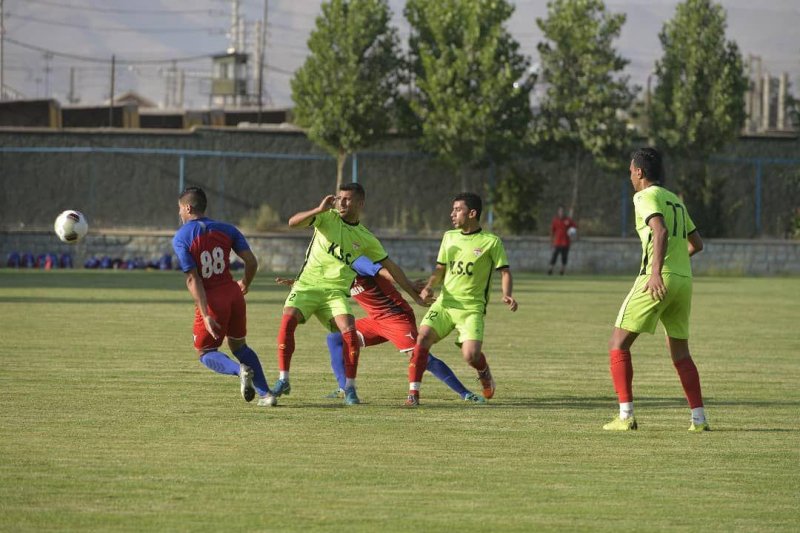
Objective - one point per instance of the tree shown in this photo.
(698, 102)
(585, 94)
(471, 95)
(345, 91)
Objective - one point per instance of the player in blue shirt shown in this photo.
(203, 247)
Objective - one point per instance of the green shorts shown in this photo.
(444, 319)
(322, 303)
(640, 313)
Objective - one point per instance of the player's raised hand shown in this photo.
(511, 303)
(212, 326)
(284, 281)
(655, 286)
(327, 203)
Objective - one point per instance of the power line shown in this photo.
(130, 11)
(114, 29)
(108, 61)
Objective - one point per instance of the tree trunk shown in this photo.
(575, 184)
(341, 158)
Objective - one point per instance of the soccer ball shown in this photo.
(572, 231)
(71, 226)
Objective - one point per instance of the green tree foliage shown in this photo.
(471, 87)
(698, 102)
(585, 93)
(345, 92)
(516, 198)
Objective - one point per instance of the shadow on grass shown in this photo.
(594, 402)
(91, 301)
(179, 299)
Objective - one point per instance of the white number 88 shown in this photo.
(212, 263)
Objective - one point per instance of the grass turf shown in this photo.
(110, 423)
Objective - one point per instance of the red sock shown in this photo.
(418, 364)
(286, 341)
(619, 361)
(351, 351)
(690, 380)
(480, 365)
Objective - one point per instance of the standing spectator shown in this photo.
(561, 230)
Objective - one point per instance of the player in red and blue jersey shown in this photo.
(389, 318)
(203, 247)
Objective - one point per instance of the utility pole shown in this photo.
(181, 87)
(262, 39)
(2, 54)
(234, 35)
(47, 70)
(71, 95)
(111, 99)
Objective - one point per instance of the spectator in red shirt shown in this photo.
(560, 231)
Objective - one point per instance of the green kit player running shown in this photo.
(322, 288)
(661, 292)
(467, 258)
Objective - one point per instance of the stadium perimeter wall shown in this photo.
(285, 252)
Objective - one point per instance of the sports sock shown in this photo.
(619, 362)
(248, 357)
(352, 349)
(439, 368)
(480, 365)
(690, 380)
(286, 342)
(416, 366)
(349, 383)
(335, 347)
(220, 363)
(698, 415)
(625, 410)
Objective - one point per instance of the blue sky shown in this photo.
(179, 29)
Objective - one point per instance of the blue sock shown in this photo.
(248, 357)
(336, 347)
(220, 363)
(439, 368)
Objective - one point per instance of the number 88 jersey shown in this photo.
(206, 244)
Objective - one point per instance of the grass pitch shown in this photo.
(109, 423)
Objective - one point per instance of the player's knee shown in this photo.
(425, 340)
(471, 356)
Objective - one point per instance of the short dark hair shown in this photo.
(195, 197)
(355, 187)
(472, 200)
(649, 160)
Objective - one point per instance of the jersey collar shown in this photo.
(480, 229)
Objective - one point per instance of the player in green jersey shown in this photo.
(661, 292)
(322, 288)
(467, 258)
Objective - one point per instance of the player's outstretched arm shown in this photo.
(655, 284)
(303, 218)
(695, 243)
(507, 284)
(402, 280)
(250, 269)
(198, 292)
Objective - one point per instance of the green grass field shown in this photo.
(110, 423)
